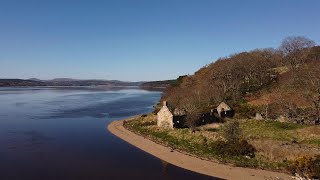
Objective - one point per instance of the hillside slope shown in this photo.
(273, 82)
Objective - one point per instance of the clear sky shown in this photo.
(137, 40)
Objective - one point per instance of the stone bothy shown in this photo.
(165, 117)
(169, 118)
(224, 110)
(259, 116)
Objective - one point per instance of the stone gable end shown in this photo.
(165, 118)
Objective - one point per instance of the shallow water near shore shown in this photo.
(60, 133)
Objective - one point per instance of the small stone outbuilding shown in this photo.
(259, 116)
(224, 110)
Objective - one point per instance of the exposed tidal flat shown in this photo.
(60, 133)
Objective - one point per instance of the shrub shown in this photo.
(240, 148)
(245, 110)
(314, 171)
(233, 146)
(308, 167)
(231, 131)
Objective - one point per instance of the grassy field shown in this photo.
(272, 130)
(282, 142)
(277, 144)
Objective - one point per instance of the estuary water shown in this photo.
(61, 134)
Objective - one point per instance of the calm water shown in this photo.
(48, 133)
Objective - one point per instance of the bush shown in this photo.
(231, 131)
(308, 167)
(315, 167)
(233, 146)
(245, 110)
(240, 148)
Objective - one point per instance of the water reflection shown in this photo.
(61, 134)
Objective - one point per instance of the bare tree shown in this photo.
(192, 111)
(309, 84)
(292, 48)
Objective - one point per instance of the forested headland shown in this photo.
(282, 82)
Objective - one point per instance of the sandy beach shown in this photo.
(188, 162)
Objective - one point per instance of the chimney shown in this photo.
(164, 103)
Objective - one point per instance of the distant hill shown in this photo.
(157, 84)
(34, 79)
(64, 79)
(162, 84)
(75, 82)
(65, 82)
(20, 82)
(150, 85)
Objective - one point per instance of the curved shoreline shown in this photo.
(189, 162)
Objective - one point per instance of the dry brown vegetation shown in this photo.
(283, 81)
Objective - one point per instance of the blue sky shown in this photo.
(135, 40)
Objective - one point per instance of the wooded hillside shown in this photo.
(282, 82)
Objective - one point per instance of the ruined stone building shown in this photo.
(169, 118)
(224, 110)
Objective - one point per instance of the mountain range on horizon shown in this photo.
(73, 79)
(81, 82)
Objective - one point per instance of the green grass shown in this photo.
(181, 142)
(274, 130)
(314, 141)
(184, 140)
(206, 147)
